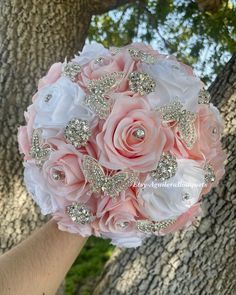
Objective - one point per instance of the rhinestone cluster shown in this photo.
(77, 132)
(142, 56)
(184, 119)
(96, 99)
(141, 83)
(209, 174)
(151, 227)
(204, 97)
(38, 150)
(99, 182)
(166, 168)
(79, 213)
(47, 97)
(71, 70)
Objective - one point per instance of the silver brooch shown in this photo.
(184, 119)
(77, 132)
(142, 56)
(151, 227)
(39, 151)
(71, 70)
(204, 97)
(79, 213)
(166, 168)
(209, 174)
(109, 185)
(96, 99)
(141, 82)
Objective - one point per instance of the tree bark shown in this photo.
(202, 259)
(33, 35)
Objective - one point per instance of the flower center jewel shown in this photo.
(58, 175)
(139, 133)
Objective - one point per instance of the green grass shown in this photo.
(81, 278)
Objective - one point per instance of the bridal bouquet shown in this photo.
(121, 143)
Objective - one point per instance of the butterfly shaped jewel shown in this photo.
(39, 151)
(184, 119)
(109, 185)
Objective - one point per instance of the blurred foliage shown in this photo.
(81, 279)
(202, 39)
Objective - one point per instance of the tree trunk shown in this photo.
(33, 35)
(201, 260)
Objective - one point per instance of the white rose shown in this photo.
(57, 104)
(37, 187)
(169, 199)
(173, 82)
(127, 240)
(91, 52)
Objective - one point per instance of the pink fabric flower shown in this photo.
(119, 148)
(63, 169)
(117, 220)
(53, 74)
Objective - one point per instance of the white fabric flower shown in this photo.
(37, 187)
(57, 104)
(169, 199)
(91, 52)
(173, 83)
(125, 239)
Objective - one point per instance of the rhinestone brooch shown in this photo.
(166, 168)
(204, 97)
(109, 185)
(209, 174)
(142, 56)
(77, 132)
(151, 227)
(71, 70)
(184, 120)
(79, 213)
(98, 89)
(39, 151)
(141, 83)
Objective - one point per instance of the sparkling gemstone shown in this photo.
(204, 97)
(39, 151)
(174, 112)
(58, 175)
(47, 97)
(209, 173)
(122, 225)
(151, 227)
(142, 56)
(79, 213)
(71, 70)
(99, 60)
(139, 133)
(166, 168)
(77, 132)
(98, 89)
(214, 130)
(185, 196)
(141, 83)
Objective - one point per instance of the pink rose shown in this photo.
(63, 169)
(53, 74)
(25, 133)
(117, 221)
(121, 146)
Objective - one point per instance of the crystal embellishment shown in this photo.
(109, 185)
(142, 56)
(47, 97)
(139, 133)
(39, 151)
(97, 99)
(151, 227)
(77, 132)
(209, 174)
(204, 97)
(71, 70)
(166, 168)
(79, 213)
(141, 83)
(184, 120)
